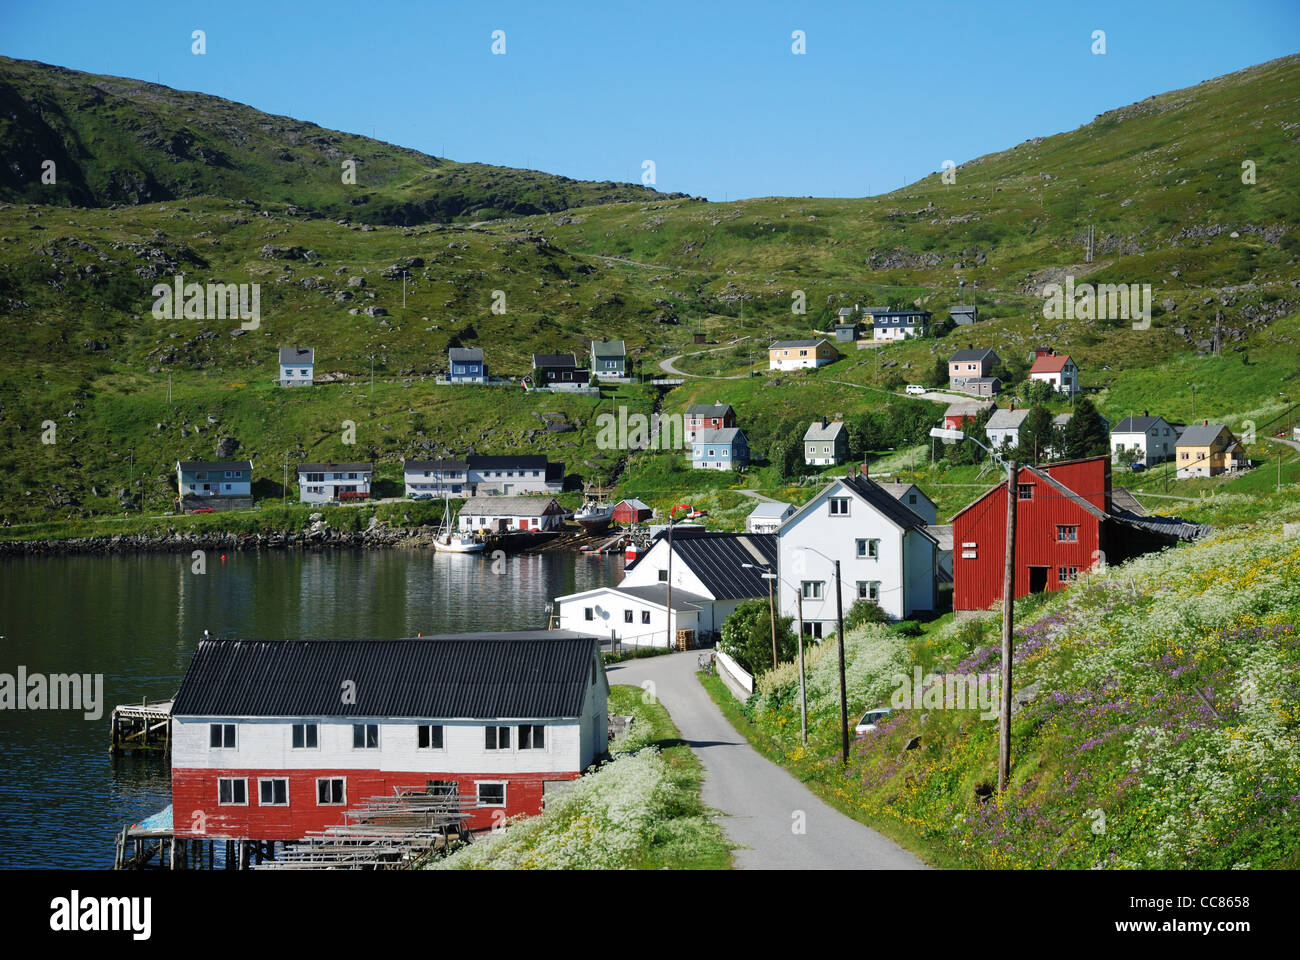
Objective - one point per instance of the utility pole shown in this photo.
(844, 701)
(284, 487)
(1008, 601)
(803, 698)
(771, 610)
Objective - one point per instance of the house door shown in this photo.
(505, 489)
(1037, 579)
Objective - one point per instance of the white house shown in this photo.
(297, 366)
(709, 579)
(1058, 371)
(214, 478)
(900, 324)
(504, 475)
(1003, 427)
(264, 747)
(503, 514)
(324, 482)
(1152, 438)
(883, 548)
(768, 516)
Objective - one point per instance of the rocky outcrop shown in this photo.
(318, 536)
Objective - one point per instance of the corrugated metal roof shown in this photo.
(1137, 424)
(523, 674)
(716, 558)
(215, 464)
(658, 593)
(554, 360)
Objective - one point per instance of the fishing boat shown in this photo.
(594, 516)
(449, 540)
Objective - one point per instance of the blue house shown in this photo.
(725, 449)
(465, 365)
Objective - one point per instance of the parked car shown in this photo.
(203, 510)
(915, 388)
(870, 719)
(1138, 467)
(421, 496)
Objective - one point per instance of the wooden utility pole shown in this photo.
(771, 610)
(803, 697)
(1008, 600)
(844, 700)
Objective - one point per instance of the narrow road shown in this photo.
(667, 365)
(764, 804)
(757, 496)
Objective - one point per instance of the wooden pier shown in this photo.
(143, 727)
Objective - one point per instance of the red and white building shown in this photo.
(503, 514)
(273, 739)
(707, 416)
(1059, 371)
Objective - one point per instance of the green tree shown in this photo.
(863, 612)
(1085, 434)
(939, 375)
(747, 636)
(1036, 435)
(1036, 392)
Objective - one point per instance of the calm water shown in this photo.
(137, 619)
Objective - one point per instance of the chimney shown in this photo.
(1205, 423)
(823, 423)
(1011, 406)
(1146, 413)
(864, 470)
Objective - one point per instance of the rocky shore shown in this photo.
(318, 536)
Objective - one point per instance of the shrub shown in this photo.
(747, 636)
(864, 612)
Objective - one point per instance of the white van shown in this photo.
(915, 388)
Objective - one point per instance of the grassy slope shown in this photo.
(1155, 178)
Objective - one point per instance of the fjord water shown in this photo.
(137, 619)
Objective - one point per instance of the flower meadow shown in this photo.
(1156, 726)
(639, 810)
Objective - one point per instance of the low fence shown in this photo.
(742, 677)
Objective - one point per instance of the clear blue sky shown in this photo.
(710, 91)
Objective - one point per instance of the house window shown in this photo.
(492, 794)
(1067, 533)
(306, 736)
(221, 736)
(645, 616)
(839, 506)
(429, 736)
(868, 589)
(868, 549)
(273, 792)
(1024, 491)
(663, 576)
(331, 791)
(911, 498)
(496, 738)
(627, 616)
(232, 791)
(532, 737)
(365, 736)
(1067, 574)
(812, 589)
(588, 613)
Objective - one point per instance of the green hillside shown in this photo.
(1160, 182)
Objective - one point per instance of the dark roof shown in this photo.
(899, 318)
(1136, 424)
(298, 355)
(475, 676)
(455, 466)
(658, 593)
(1168, 526)
(466, 354)
(1200, 435)
(216, 465)
(336, 468)
(508, 462)
(786, 344)
(554, 360)
(894, 510)
(709, 409)
(963, 356)
(962, 308)
(716, 558)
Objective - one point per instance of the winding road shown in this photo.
(763, 803)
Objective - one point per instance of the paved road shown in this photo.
(759, 797)
(667, 365)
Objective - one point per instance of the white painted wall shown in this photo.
(608, 608)
(267, 743)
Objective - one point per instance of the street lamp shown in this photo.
(798, 598)
(844, 699)
(668, 603)
(1008, 599)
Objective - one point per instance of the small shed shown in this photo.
(632, 511)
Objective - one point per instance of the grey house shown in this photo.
(825, 444)
(963, 314)
(297, 366)
(608, 358)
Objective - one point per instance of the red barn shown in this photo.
(274, 739)
(631, 511)
(1066, 524)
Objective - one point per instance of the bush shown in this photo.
(864, 612)
(747, 636)
(907, 628)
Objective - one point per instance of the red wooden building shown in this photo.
(274, 739)
(1065, 525)
(631, 511)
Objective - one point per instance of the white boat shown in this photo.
(594, 516)
(448, 540)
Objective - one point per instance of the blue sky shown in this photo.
(709, 91)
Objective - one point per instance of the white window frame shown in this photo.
(818, 591)
(832, 502)
(332, 803)
(497, 747)
(532, 729)
(366, 736)
(232, 729)
(232, 803)
(294, 726)
(442, 735)
(478, 792)
(262, 780)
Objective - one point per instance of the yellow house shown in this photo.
(801, 354)
(1206, 450)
